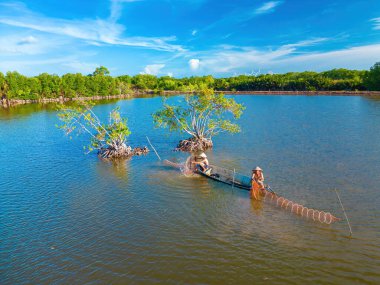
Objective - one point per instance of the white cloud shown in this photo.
(376, 25)
(117, 7)
(194, 32)
(170, 74)
(360, 57)
(27, 45)
(288, 58)
(28, 40)
(267, 7)
(79, 66)
(92, 31)
(307, 43)
(194, 63)
(153, 69)
(51, 65)
(244, 14)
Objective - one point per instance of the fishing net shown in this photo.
(267, 195)
(243, 181)
(184, 167)
(295, 208)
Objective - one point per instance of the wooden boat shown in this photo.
(227, 176)
(230, 177)
(220, 174)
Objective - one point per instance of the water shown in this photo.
(69, 218)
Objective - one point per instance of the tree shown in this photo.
(3, 86)
(372, 79)
(144, 81)
(200, 116)
(50, 85)
(101, 70)
(100, 83)
(108, 139)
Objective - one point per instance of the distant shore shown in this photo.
(12, 102)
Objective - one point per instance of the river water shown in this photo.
(69, 218)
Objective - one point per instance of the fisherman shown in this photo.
(201, 162)
(258, 176)
(257, 183)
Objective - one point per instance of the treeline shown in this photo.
(14, 85)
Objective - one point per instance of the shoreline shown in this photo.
(5, 103)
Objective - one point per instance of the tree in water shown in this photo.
(202, 117)
(109, 140)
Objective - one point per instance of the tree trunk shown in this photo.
(121, 151)
(194, 144)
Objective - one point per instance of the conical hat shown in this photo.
(257, 169)
(203, 155)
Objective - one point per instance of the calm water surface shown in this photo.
(69, 218)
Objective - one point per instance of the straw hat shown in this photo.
(257, 169)
(202, 155)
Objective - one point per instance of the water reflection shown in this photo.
(257, 206)
(118, 168)
(26, 110)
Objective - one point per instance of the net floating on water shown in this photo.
(295, 208)
(242, 181)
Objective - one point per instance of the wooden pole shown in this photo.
(153, 148)
(233, 179)
(344, 212)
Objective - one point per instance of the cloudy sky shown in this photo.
(188, 37)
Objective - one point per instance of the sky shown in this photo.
(188, 37)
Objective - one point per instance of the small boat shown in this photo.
(220, 174)
(235, 179)
(227, 176)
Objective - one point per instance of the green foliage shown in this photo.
(80, 118)
(3, 85)
(372, 79)
(101, 70)
(50, 85)
(100, 83)
(144, 81)
(201, 116)
(339, 79)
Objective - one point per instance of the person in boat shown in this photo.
(258, 176)
(201, 162)
(257, 183)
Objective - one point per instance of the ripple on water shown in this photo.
(68, 218)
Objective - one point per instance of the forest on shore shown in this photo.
(14, 85)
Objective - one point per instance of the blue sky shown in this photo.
(188, 37)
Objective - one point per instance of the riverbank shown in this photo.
(5, 103)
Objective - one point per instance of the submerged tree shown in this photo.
(109, 140)
(202, 117)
